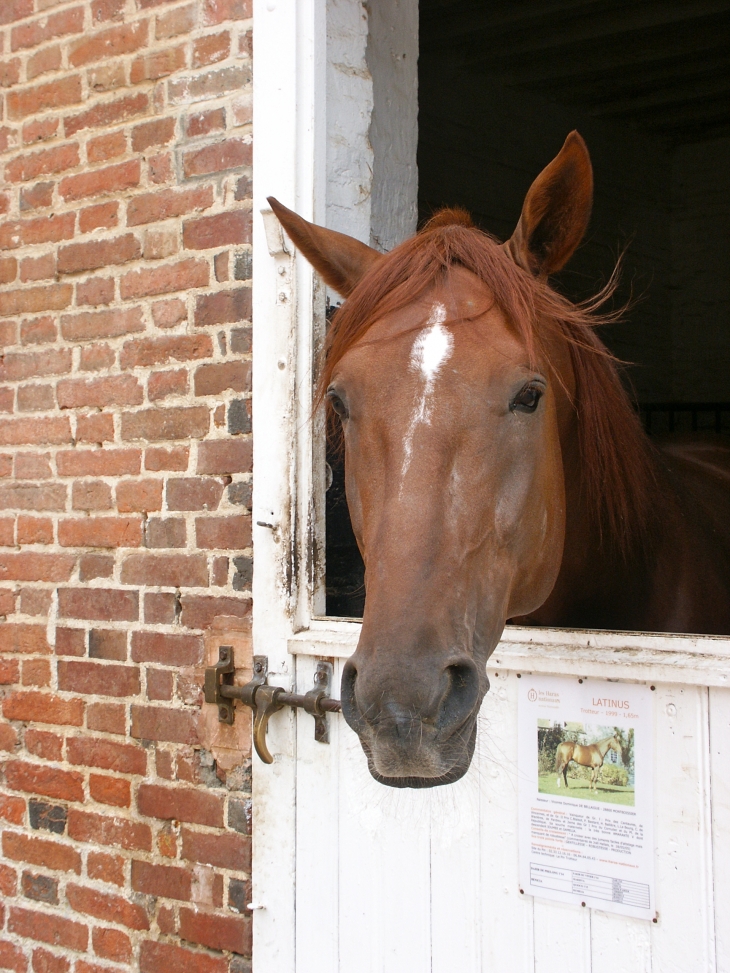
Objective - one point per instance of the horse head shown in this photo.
(451, 404)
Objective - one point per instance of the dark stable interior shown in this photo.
(501, 83)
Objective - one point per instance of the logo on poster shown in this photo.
(532, 695)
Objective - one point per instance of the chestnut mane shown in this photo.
(617, 458)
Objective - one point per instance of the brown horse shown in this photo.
(591, 756)
(495, 470)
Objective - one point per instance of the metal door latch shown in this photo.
(264, 700)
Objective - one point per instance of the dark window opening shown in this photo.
(648, 86)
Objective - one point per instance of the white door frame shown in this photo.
(290, 157)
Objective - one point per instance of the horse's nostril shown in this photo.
(461, 696)
(350, 708)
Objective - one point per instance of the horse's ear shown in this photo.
(340, 259)
(555, 212)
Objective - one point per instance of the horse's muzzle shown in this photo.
(410, 742)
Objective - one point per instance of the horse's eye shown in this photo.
(337, 404)
(527, 399)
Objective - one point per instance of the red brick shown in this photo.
(158, 132)
(165, 881)
(153, 207)
(12, 809)
(208, 84)
(109, 43)
(36, 567)
(32, 496)
(7, 533)
(175, 459)
(96, 428)
(143, 352)
(160, 723)
(47, 962)
(40, 98)
(205, 122)
(180, 803)
(109, 790)
(155, 425)
(157, 64)
(154, 957)
(179, 276)
(159, 684)
(104, 829)
(112, 179)
(8, 879)
(91, 325)
(91, 495)
(38, 779)
(109, 113)
(113, 390)
(159, 608)
(108, 643)
(160, 385)
(95, 566)
(38, 197)
(8, 270)
(223, 307)
(98, 462)
(9, 72)
(159, 168)
(23, 168)
(36, 530)
(76, 257)
(100, 532)
(35, 601)
(174, 570)
(47, 928)
(47, 746)
(30, 300)
(41, 851)
(214, 231)
(216, 11)
(97, 678)
(42, 229)
(101, 905)
(223, 533)
(222, 850)
(36, 672)
(8, 737)
(47, 28)
(102, 604)
(219, 157)
(106, 868)
(225, 456)
(37, 129)
(24, 639)
(139, 495)
(70, 641)
(212, 48)
(194, 493)
(112, 944)
(38, 268)
(42, 62)
(166, 314)
(95, 291)
(19, 432)
(107, 717)
(106, 147)
(122, 758)
(216, 378)
(102, 10)
(12, 957)
(107, 76)
(35, 398)
(216, 931)
(198, 611)
(38, 331)
(101, 215)
(9, 668)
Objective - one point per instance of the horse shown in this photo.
(591, 756)
(495, 469)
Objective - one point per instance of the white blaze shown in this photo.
(431, 349)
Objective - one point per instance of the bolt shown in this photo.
(258, 667)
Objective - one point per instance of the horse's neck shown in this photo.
(603, 746)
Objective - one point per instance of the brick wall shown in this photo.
(125, 479)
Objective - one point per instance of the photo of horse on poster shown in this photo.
(586, 761)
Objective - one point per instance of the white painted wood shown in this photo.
(562, 938)
(720, 780)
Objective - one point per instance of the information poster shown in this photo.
(586, 793)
